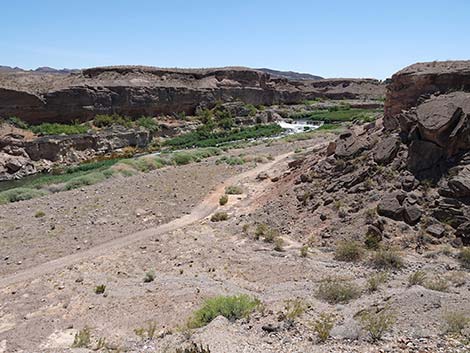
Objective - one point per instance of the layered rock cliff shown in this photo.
(136, 90)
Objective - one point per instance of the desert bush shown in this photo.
(16, 122)
(84, 180)
(223, 200)
(147, 332)
(231, 307)
(278, 244)
(455, 321)
(39, 214)
(304, 251)
(464, 257)
(100, 289)
(149, 277)
(193, 348)
(349, 250)
(147, 123)
(416, 278)
(182, 158)
(82, 338)
(388, 259)
(374, 281)
(323, 325)
(294, 308)
(377, 323)
(372, 241)
(219, 216)
(335, 290)
(437, 283)
(20, 194)
(233, 190)
(104, 120)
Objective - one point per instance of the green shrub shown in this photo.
(105, 120)
(323, 325)
(349, 250)
(84, 180)
(377, 323)
(59, 129)
(294, 308)
(100, 289)
(149, 277)
(304, 251)
(147, 123)
(233, 190)
(20, 194)
(231, 160)
(455, 321)
(464, 257)
(231, 307)
(182, 158)
(335, 290)
(387, 259)
(223, 200)
(39, 214)
(17, 122)
(374, 281)
(219, 216)
(416, 278)
(82, 339)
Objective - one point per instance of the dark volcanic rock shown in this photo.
(411, 214)
(348, 145)
(408, 85)
(425, 159)
(390, 207)
(436, 230)
(386, 150)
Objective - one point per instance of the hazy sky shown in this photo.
(350, 38)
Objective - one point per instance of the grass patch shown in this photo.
(230, 160)
(387, 259)
(437, 283)
(20, 194)
(231, 307)
(82, 338)
(337, 114)
(59, 129)
(417, 278)
(336, 291)
(455, 321)
(349, 250)
(377, 323)
(376, 280)
(323, 325)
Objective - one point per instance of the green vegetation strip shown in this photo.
(338, 115)
(204, 138)
(93, 173)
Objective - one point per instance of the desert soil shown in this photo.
(115, 232)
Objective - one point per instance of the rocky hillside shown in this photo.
(409, 186)
(136, 90)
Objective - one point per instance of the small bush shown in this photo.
(335, 291)
(82, 339)
(219, 216)
(455, 321)
(20, 194)
(387, 259)
(149, 277)
(372, 241)
(304, 251)
(147, 123)
(59, 129)
(146, 332)
(100, 289)
(109, 120)
(17, 122)
(323, 325)
(348, 250)
(233, 190)
(417, 278)
(231, 307)
(437, 283)
(294, 308)
(278, 244)
(39, 214)
(223, 200)
(374, 281)
(377, 323)
(464, 257)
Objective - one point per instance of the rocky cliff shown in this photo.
(417, 82)
(136, 90)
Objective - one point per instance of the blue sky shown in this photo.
(327, 38)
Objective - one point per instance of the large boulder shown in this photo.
(386, 150)
(349, 145)
(410, 84)
(390, 207)
(425, 159)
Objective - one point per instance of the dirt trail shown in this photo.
(202, 210)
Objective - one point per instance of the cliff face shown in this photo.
(422, 80)
(135, 90)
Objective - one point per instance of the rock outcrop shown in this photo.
(410, 85)
(135, 90)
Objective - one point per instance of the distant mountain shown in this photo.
(43, 69)
(291, 75)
